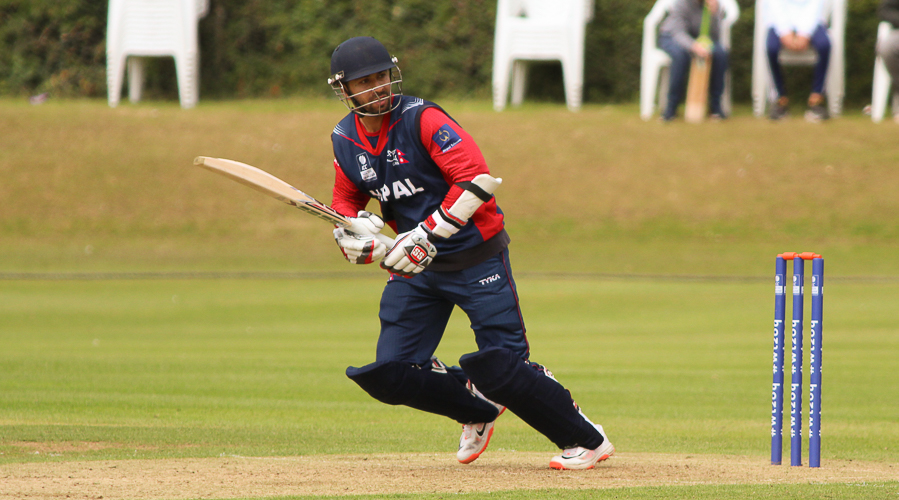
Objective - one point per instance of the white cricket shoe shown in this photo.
(583, 458)
(476, 437)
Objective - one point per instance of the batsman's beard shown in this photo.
(379, 106)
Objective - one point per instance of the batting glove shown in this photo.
(411, 253)
(362, 248)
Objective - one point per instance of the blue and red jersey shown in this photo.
(412, 166)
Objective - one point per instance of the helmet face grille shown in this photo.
(394, 87)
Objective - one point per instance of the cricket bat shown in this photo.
(698, 84)
(697, 103)
(267, 183)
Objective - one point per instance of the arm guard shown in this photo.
(445, 223)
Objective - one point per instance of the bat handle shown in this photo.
(383, 238)
(387, 240)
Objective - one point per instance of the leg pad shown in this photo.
(533, 395)
(399, 383)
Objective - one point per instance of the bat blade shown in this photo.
(267, 183)
(698, 90)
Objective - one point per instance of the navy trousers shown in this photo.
(819, 41)
(680, 70)
(415, 311)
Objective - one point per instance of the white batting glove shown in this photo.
(411, 253)
(362, 248)
(368, 221)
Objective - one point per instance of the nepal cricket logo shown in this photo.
(396, 157)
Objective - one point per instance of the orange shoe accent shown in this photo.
(558, 466)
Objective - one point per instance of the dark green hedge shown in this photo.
(279, 47)
(53, 45)
(275, 47)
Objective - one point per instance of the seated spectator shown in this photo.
(679, 38)
(797, 25)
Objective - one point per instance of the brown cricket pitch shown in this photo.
(417, 473)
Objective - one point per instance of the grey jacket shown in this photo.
(684, 20)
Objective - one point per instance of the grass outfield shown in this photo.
(612, 221)
(89, 188)
(155, 369)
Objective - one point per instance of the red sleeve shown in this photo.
(347, 199)
(461, 162)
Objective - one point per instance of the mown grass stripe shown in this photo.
(291, 275)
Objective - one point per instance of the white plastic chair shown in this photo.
(763, 90)
(655, 62)
(880, 90)
(153, 28)
(539, 30)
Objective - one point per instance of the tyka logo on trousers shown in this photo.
(489, 279)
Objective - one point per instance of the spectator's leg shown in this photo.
(773, 46)
(678, 72)
(821, 42)
(716, 80)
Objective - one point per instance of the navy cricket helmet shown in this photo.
(358, 57)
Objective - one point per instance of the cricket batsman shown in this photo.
(435, 191)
